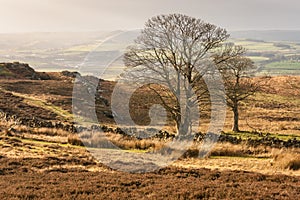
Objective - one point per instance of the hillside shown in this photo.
(42, 152)
(42, 99)
(51, 93)
(18, 70)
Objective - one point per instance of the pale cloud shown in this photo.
(84, 15)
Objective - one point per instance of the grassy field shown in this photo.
(258, 46)
(283, 67)
(272, 57)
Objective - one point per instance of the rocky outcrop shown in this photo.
(70, 74)
(18, 70)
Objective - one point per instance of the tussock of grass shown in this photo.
(75, 140)
(191, 153)
(287, 160)
(11, 126)
(241, 150)
(50, 131)
(110, 140)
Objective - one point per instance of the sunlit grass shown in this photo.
(46, 105)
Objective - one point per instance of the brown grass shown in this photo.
(132, 143)
(275, 109)
(240, 150)
(100, 140)
(287, 160)
(73, 139)
(18, 181)
(231, 150)
(33, 170)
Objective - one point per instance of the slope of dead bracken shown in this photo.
(41, 156)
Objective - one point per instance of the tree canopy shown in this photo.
(179, 50)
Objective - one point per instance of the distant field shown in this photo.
(272, 57)
(257, 46)
(258, 58)
(282, 67)
(270, 50)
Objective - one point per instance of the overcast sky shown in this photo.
(93, 15)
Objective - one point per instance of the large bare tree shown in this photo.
(176, 49)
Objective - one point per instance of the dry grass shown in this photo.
(241, 150)
(230, 150)
(50, 131)
(286, 159)
(275, 109)
(73, 139)
(191, 153)
(125, 142)
(18, 181)
(14, 126)
(107, 140)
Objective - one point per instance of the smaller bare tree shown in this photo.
(239, 84)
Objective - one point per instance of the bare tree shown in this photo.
(175, 49)
(239, 84)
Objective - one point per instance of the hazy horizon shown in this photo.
(99, 31)
(19, 16)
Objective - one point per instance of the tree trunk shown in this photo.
(183, 125)
(235, 110)
(183, 122)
